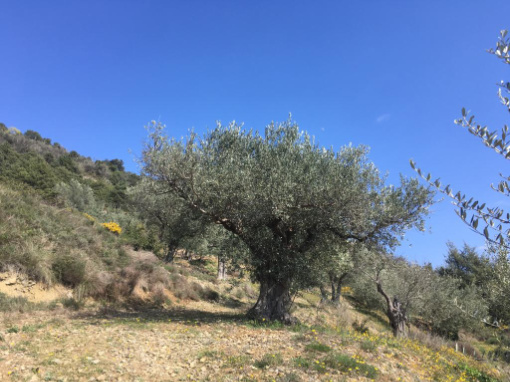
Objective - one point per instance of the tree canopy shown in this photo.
(283, 196)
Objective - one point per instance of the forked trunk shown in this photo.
(336, 287)
(396, 312)
(398, 324)
(273, 303)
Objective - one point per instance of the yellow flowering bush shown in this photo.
(112, 227)
(91, 218)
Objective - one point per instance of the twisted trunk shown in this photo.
(273, 303)
(336, 286)
(395, 311)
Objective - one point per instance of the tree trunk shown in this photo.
(170, 255)
(273, 303)
(335, 293)
(336, 287)
(187, 255)
(397, 317)
(395, 311)
(222, 270)
(324, 293)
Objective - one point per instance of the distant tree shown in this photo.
(31, 134)
(492, 222)
(409, 292)
(496, 286)
(77, 195)
(3, 128)
(337, 267)
(116, 165)
(28, 168)
(282, 195)
(466, 265)
(177, 224)
(68, 163)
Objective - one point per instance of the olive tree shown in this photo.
(493, 222)
(176, 223)
(77, 195)
(283, 195)
(409, 292)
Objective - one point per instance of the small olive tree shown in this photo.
(282, 195)
(409, 292)
(77, 195)
(176, 223)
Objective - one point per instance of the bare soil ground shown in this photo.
(200, 341)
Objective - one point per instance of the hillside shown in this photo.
(62, 214)
(187, 340)
(86, 293)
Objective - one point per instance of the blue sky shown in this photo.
(392, 75)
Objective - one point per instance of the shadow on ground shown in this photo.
(181, 315)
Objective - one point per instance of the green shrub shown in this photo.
(210, 295)
(69, 270)
(76, 195)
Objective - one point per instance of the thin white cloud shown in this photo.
(382, 118)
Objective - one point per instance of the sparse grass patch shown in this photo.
(207, 354)
(368, 346)
(264, 324)
(298, 328)
(31, 328)
(72, 303)
(289, 377)
(269, 360)
(18, 304)
(302, 362)
(13, 329)
(347, 364)
(300, 338)
(318, 347)
(238, 360)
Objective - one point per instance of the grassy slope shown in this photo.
(205, 341)
(52, 244)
